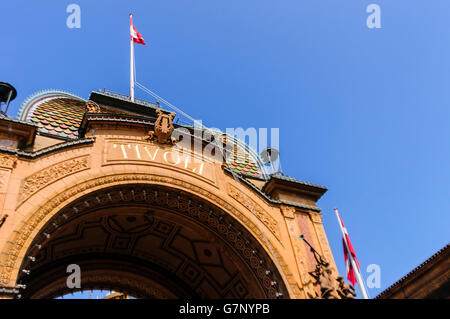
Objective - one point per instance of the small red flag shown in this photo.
(136, 37)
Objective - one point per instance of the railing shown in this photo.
(143, 102)
(126, 97)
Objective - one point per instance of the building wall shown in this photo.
(32, 190)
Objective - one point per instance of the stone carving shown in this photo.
(324, 279)
(316, 217)
(163, 129)
(8, 161)
(288, 211)
(39, 180)
(326, 282)
(256, 209)
(345, 291)
(16, 244)
(92, 107)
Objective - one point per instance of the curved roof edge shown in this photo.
(39, 96)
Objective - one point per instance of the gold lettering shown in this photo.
(149, 154)
(171, 157)
(200, 170)
(137, 151)
(173, 163)
(122, 147)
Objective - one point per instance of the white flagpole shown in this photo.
(359, 279)
(131, 62)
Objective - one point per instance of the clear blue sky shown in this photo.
(363, 111)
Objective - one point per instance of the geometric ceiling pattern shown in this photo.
(150, 242)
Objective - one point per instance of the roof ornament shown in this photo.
(92, 107)
(163, 129)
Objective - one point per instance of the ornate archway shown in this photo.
(209, 253)
(140, 218)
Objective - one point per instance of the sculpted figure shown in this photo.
(326, 283)
(324, 279)
(91, 107)
(345, 291)
(163, 129)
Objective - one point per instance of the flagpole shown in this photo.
(131, 62)
(355, 268)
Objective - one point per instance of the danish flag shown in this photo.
(347, 243)
(136, 37)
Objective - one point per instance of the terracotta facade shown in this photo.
(122, 206)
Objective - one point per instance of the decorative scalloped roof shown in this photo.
(42, 95)
(54, 112)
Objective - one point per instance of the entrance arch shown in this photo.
(63, 150)
(182, 243)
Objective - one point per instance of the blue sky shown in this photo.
(363, 111)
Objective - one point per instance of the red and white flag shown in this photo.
(347, 243)
(136, 37)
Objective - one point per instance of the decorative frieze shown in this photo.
(48, 175)
(316, 217)
(288, 211)
(8, 161)
(256, 209)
